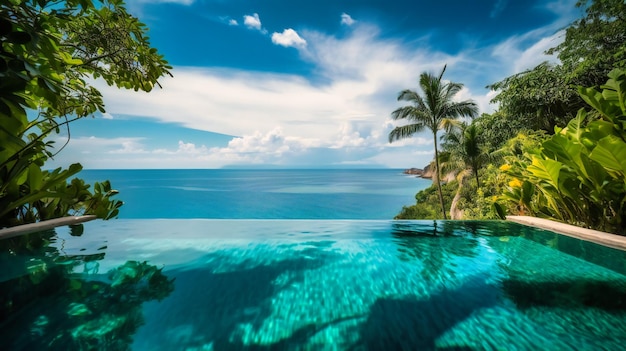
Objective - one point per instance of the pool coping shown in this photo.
(606, 239)
(23, 229)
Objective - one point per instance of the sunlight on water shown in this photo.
(303, 285)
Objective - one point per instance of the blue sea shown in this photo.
(262, 194)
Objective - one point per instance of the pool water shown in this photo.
(310, 285)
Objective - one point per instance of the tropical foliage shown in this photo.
(465, 151)
(435, 110)
(546, 96)
(578, 175)
(427, 202)
(50, 53)
(64, 310)
(550, 154)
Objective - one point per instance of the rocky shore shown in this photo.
(426, 173)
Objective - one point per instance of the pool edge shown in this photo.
(23, 229)
(606, 239)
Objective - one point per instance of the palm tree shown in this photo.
(435, 110)
(465, 149)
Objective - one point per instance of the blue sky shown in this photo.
(276, 83)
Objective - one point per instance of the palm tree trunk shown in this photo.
(455, 213)
(438, 175)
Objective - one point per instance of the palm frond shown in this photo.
(442, 72)
(406, 131)
(450, 90)
(451, 124)
(407, 112)
(463, 108)
(409, 95)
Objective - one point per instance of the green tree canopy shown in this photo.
(594, 44)
(50, 53)
(545, 96)
(465, 149)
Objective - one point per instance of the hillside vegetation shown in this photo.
(556, 146)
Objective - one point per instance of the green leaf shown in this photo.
(35, 177)
(546, 170)
(499, 210)
(610, 153)
(575, 127)
(528, 189)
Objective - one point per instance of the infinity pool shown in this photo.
(311, 285)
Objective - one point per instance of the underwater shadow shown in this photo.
(435, 245)
(412, 324)
(217, 305)
(70, 312)
(605, 295)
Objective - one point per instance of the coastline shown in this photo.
(425, 173)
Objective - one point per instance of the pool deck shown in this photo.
(598, 237)
(43, 225)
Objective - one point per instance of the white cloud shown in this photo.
(232, 22)
(92, 151)
(129, 147)
(346, 19)
(252, 21)
(289, 119)
(287, 38)
(184, 148)
(527, 51)
(107, 115)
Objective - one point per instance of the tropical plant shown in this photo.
(50, 51)
(427, 202)
(463, 154)
(477, 203)
(539, 98)
(435, 110)
(464, 146)
(546, 96)
(594, 44)
(578, 175)
(496, 129)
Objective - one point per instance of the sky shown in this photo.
(305, 84)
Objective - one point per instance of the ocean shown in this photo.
(261, 194)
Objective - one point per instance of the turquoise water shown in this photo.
(311, 285)
(262, 194)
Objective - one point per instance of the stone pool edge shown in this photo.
(11, 232)
(606, 239)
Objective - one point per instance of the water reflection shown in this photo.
(45, 305)
(409, 323)
(436, 245)
(225, 301)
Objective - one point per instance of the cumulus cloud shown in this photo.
(345, 118)
(129, 147)
(287, 38)
(346, 19)
(252, 21)
(348, 112)
(232, 22)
